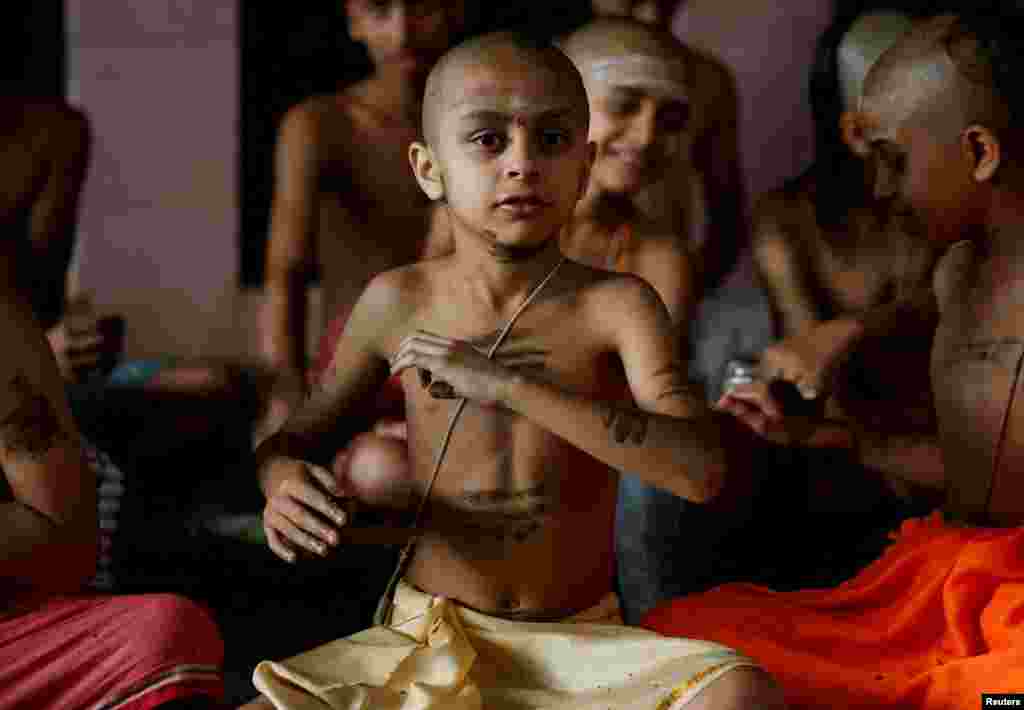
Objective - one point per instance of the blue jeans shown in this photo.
(667, 546)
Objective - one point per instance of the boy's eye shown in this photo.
(554, 138)
(488, 139)
(380, 8)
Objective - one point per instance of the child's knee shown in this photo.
(742, 688)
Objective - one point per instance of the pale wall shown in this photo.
(159, 81)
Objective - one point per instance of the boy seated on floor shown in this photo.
(520, 492)
(344, 203)
(935, 621)
(700, 194)
(637, 124)
(638, 90)
(60, 648)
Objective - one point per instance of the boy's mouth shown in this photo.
(522, 205)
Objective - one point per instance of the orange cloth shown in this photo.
(933, 623)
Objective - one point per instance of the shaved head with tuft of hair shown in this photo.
(936, 75)
(443, 86)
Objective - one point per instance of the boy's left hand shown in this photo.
(451, 368)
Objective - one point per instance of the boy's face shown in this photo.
(651, 12)
(408, 34)
(922, 174)
(512, 147)
(639, 115)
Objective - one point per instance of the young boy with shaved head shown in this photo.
(699, 195)
(638, 85)
(515, 363)
(935, 621)
(342, 194)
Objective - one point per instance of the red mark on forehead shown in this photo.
(519, 120)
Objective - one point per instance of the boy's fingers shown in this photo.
(756, 395)
(428, 337)
(320, 503)
(324, 477)
(808, 389)
(299, 537)
(305, 520)
(277, 546)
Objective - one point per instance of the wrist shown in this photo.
(509, 388)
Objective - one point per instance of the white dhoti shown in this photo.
(440, 655)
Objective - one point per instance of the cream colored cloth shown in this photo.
(439, 655)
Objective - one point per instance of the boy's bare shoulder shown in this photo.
(602, 293)
(654, 236)
(393, 297)
(321, 120)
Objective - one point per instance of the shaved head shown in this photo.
(497, 51)
(609, 40)
(938, 76)
(864, 42)
(619, 35)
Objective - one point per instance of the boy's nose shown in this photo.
(521, 159)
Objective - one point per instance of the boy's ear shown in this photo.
(427, 170)
(852, 131)
(983, 151)
(591, 153)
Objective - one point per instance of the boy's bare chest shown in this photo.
(368, 168)
(497, 459)
(976, 360)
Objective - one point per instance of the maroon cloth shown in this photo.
(108, 653)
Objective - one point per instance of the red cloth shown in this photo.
(390, 399)
(933, 623)
(108, 653)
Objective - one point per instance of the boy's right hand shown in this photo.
(809, 359)
(774, 410)
(304, 509)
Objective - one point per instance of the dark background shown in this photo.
(32, 44)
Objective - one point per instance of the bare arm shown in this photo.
(291, 248)
(55, 213)
(669, 441)
(716, 157)
(305, 504)
(780, 266)
(48, 522)
(665, 263)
